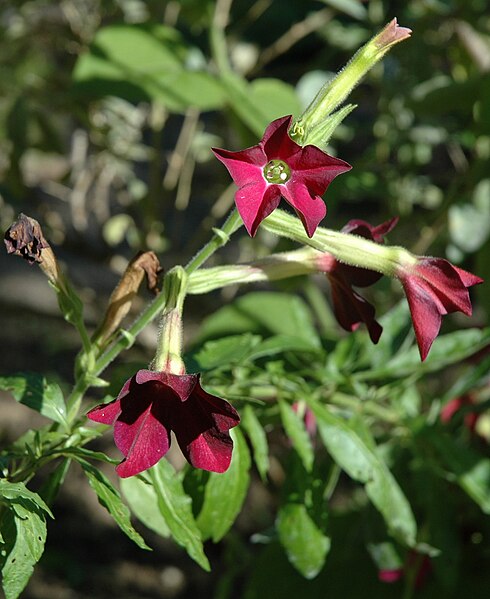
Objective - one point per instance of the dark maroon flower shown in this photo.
(151, 405)
(349, 307)
(277, 167)
(434, 287)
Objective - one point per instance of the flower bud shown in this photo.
(319, 120)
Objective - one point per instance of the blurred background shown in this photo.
(108, 111)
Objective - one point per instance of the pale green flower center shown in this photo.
(277, 172)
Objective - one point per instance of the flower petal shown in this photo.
(316, 169)
(364, 229)
(201, 429)
(210, 451)
(426, 311)
(351, 309)
(245, 166)
(434, 287)
(468, 279)
(180, 385)
(105, 413)
(276, 142)
(141, 437)
(255, 202)
(446, 284)
(311, 210)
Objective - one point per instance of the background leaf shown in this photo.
(34, 391)
(361, 463)
(23, 535)
(225, 493)
(305, 544)
(110, 498)
(260, 312)
(143, 501)
(296, 431)
(143, 62)
(258, 439)
(176, 509)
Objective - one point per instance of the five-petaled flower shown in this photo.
(151, 405)
(349, 307)
(434, 287)
(277, 167)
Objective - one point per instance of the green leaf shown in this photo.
(258, 440)
(385, 556)
(70, 304)
(363, 464)
(176, 509)
(226, 351)
(296, 431)
(23, 527)
(305, 544)
(239, 97)
(281, 343)
(469, 227)
(18, 491)
(274, 97)
(143, 62)
(143, 501)
(110, 498)
(51, 486)
(446, 350)
(83, 452)
(468, 380)
(353, 8)
(225, 493)
(273, 312)
(34, 391)
(471, 469)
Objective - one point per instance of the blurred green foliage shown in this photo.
(108, 110)
(95, 94)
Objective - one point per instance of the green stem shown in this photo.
(341, 399)
(219, 239)
(75, 399)
(217, 38)
(84, 336)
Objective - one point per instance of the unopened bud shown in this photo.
(319, 120)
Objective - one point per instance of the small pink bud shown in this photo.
(391, 35)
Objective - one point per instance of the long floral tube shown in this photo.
(345, 247)
(433, 286)
(271, 268)
(304, 261)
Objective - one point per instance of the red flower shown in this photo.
(349, 307)
(455, 405)
(277, 167)
(151, 404)
(434, 287)
(390, 576)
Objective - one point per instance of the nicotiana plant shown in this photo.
(336, 413)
